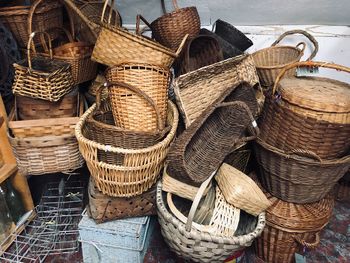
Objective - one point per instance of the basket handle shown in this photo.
(69, 36)
(4, 65)
(110, 12)
(138, 20)
(29, 44)
(310, 245)
(302, 49)
(134, 89)
(307, 64)
(302, 32)
(305, 153)
(175, 5)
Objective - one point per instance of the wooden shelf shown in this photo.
(7, 170)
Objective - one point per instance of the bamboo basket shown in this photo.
(140, 168)
(311, 113)
(197, 90)
(42, 78)
(270, 61)
(298, 176)
(23, 20)
(190, 243)
(140, 96)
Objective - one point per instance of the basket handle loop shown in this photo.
(138, 20)
(4, 65)
(68, 34)
(181, 46)
(31, 14)
(302, 48)
(302, 32)
(31, 37)
(305, 153)
(110, 11)
(310, 245)
(307, 64)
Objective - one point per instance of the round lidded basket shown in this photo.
(270, 61)
(310, 113)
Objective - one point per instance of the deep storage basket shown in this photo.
(140, 167)
(139, 99)
(190, 243)
(298, 176)
(42, 78)
(290, 228)
(104, 208)
(270, 61)
(310, 113)
(197, 90)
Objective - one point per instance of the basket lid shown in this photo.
(316, 93)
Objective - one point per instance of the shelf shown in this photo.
(6, 171)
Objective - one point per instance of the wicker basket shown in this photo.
(140, 168)
(298, 176)
(200, 51)
(40, 16)
(170, 29)
(103, 208)
(190, 243)
(138, 108)
(270, 61)
(310, 113)
(197, 90)
(342, 191)
(202, 147)
(42, 78)
(290, 228)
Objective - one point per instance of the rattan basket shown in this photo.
(298, 176)
(140, 168)
(42, 78)
(270, 61)
(197, 90)
(310, 113)
(139, 99)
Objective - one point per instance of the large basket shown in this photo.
(190, 243)
(202, 147)
(270, 61)
(291, 228)
(103, 208)
(40, 16)
(140, 168)
(197, 90)
(42, 78)
(310, 113)
(138, 107)
(200, 51)
(298, 176)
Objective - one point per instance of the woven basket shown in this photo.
(140, 168)
(40, 16)
(42, 78)
(232, 35)
(270, 61)
(240, 190)
(103, 208)
(290, 228)
(298, 176)
(310, 113)
(197, 90)
(31, 109)
(200, 51)
(190, 243)
(239, 158)
(202, 147)
(342, 191)
(138, 108)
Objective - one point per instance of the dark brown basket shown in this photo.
(202, 147)
(298, 176)
(232, 35)
(200, 51)
(103, 208)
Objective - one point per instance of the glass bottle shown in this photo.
(14, 202)
(6, 222)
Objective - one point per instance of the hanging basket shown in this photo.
(270, 61)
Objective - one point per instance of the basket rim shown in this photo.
(20, 10)
(172, 14)
(276, 66)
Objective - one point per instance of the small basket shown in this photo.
(40, 16)
(270, 61)
(140, 168)
(197, 90)
(42, 78)
(200, 51)
(298, 176)
(138, 94)
(232, 35)
(103, 208)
